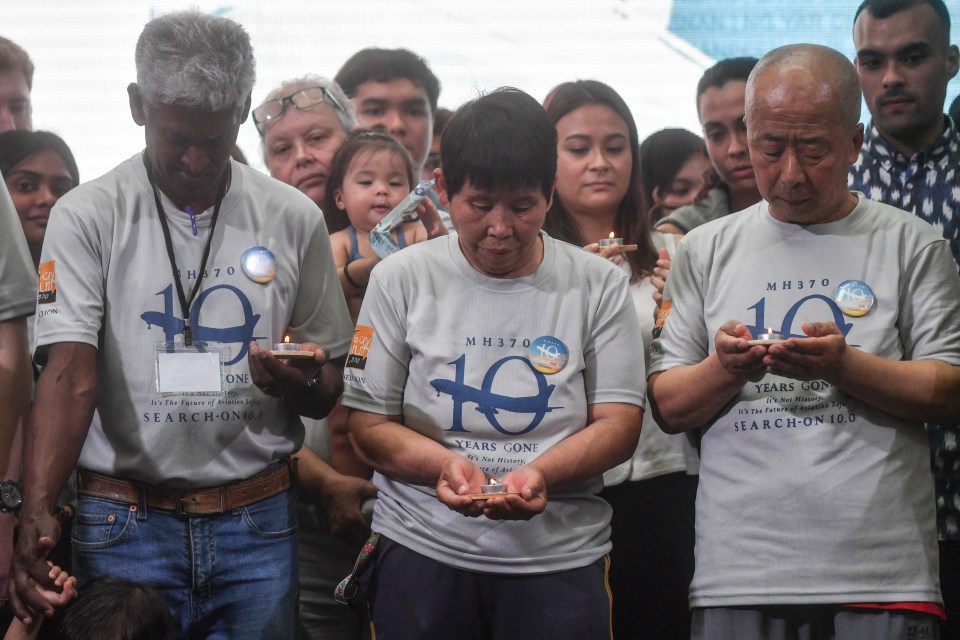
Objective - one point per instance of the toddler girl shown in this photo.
(369, 175)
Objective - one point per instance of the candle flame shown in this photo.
(770, 330)
(493, 482)
(611, 235)
(286, 339)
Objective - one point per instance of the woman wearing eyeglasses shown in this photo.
(301, 124)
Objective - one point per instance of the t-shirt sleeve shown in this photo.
(377, 366)
(320, 312)
(683, 338)
(930, 306)
(72, 275)
(17, 277)
(613, 351)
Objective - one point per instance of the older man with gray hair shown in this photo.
(811, 336)
(158, 281)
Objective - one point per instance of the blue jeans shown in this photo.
(231, 576)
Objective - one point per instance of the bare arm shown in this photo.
(690, 396)
(609, 438)
(16, 378)
(917, 390)
(384, 443)
(65, 400)
(398, 452)
(359, 274)
(15, 386)
(341, 496)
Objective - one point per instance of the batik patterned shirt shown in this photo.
(926, 184)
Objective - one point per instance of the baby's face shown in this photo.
(374, 184)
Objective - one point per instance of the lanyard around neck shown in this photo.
(184, 301)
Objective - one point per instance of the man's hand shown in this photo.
(31, 573)
(816, 357)
(341, 499)
(737, 356)
(278, 377)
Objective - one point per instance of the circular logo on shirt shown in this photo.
(259, 264)
(547, 354)
(854, 297)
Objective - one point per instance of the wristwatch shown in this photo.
(10, 496)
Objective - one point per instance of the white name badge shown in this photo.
(193, 370)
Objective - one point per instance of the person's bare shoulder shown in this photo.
(340, 244)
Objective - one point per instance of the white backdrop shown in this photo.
(83, 51)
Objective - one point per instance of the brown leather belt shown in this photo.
(190, 502)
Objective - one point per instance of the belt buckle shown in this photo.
(181, 511)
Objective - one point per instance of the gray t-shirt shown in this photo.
(111, 275)
(18, 279)
(807, 495)
(454, 352)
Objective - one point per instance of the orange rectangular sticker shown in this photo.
(662, 316)
(360, 347)
(46, 284)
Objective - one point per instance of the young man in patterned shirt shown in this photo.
(909, 159)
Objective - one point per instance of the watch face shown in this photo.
(10, 496)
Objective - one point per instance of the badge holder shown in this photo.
(196, 370)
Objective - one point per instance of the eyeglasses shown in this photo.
(303, 99)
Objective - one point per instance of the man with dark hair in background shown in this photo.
(16, 80)
(394, 90)
(910, 159)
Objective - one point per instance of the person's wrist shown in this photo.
(11, 496)
(307, 389)
(346, 275)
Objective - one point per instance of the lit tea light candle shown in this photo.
(609, 242)
(290, 350)
(769, 336)
(493, 490)
(286, 345)
(493, 487)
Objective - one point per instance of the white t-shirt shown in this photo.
(454, 352)
(657, 453)
(108, 265)
(807, 495)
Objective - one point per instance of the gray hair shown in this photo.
(194, 59)
(831, 68)
(345, 116)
